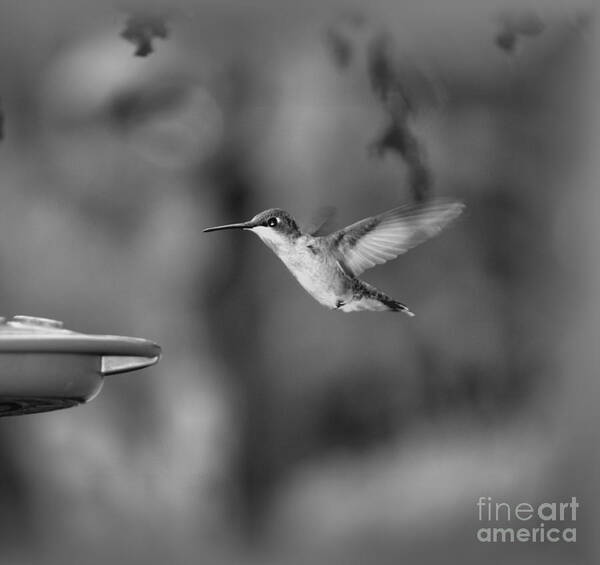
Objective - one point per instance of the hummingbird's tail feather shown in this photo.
(383, 301)
(367, 297)
(396, 306)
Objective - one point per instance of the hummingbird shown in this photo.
(328, 266)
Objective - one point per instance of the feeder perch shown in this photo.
(44, 366)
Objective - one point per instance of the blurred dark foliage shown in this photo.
(340, 47)
(136, 105)
(516, 25)
(359, 413)
(16, 509)
(389, 85)
(141, 29)
(339, 37)
(231, 171)
(1, 120)
(385, 78)
(398, 136)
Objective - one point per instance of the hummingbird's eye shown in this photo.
(273, 222)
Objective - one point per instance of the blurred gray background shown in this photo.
(273, 430)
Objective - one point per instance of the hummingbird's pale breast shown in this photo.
(316, 270)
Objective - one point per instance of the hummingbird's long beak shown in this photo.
(240, 226)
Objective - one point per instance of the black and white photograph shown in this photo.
(299, 283)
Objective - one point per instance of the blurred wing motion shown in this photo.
(380, 238)
(320, 221)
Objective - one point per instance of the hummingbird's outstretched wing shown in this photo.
(380, 238)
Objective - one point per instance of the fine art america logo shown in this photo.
(523, 522)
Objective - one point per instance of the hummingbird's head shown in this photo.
(274, 226)
(276, 220)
